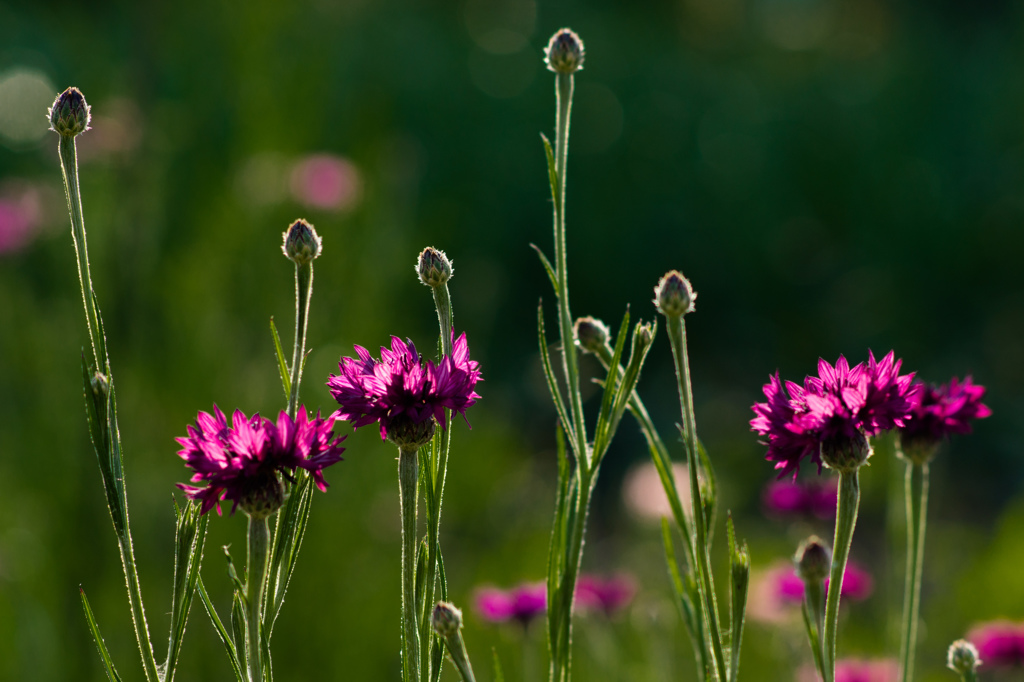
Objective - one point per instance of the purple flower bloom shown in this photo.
(1000, 643)
(807, 498)
(402, 387)
(326, 181)
(241, 462)
(522, 603)
(776, 591)
(857, 670)
(857, 584)
(610, 595)
(835, 409)
(942, 410)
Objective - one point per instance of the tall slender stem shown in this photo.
(570, 361)
(69, 166)
(846, 521)
(561, 659)
(256, 579)
(408, 471)
(916, 487)
(460, 657)
(303, 289)
(702, 563)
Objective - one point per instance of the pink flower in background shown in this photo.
(644, 495)
(943, 410)
(610, 595)
(20, 216)
(522, 603)
(857, 670)
(1000, 643)
(325, 181)
(808, 498)
(776, 591)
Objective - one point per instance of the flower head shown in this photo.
(800, 498)
(301, 242)
(565, 52)
(402, 391)
(610, 595)
(1000, 643)
(433, 267)
(522, 603)
(674, 296)
(939, 411)
(777, 591)
(962, 657)
(242, 462)
(70, 115)
(829, 418)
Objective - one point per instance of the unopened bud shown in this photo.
(433, 267)
(409, 434)
(962, 657)
(845, 454)
(69, 114)
(591, 334)
(263, 495)
(565, 52)
(301, 242)
(446, 619)
(643, 337)
(674, 296)
(813, 560)
(100, 385)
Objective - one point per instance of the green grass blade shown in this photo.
(552, 169)
(282, 366)
(190, 537)
(547, 266)
(222, 633)
(108, 664)
(602, 434)
(549, 374)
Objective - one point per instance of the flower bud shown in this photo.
(69, 114)
(409, 434)
(564, 53)
(643, 337)
(962, 657)
(263, 495)
(446, 619)
(591, 334)
(100, 385)
(301, 242)
(674, 296)
(813, 560)
(433, 267)
(845, 454)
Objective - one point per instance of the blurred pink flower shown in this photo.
(325, 181)
(610, 595)
(809, 498)
(20, 214)
(856, 670)
(522, 603)
(1000, 643)
(644, 496)
(776, 591)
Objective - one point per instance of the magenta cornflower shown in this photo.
(402, 387)
(834, 411)
(1000, 643)
(610, 595)
(522, 603)
(803, 498)
(939, 411)
(857, 670)
(857, 584)
(241, 462)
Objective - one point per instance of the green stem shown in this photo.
(69, 166)
(846, 521)
(815, 594)
(408, 471)
(917, 509)
(460, 657)
(303, 295)
(443, 304)
(561, 659)
(702, 563)
(256, 579)
(570, 361)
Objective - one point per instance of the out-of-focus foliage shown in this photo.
(832, 176)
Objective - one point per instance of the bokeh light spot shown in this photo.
(25, 95)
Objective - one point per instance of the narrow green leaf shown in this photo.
(602, 431)
(236, 583)
(238, 626)
(421, 576)
(812, 637)
(190, 537)
(108, 664)
(559, 530)
(686, 596)
(627, 385)
(556, 392)
(739, 579)
(547, 266)
(222, 632)
(282, 365)
(552, 170)
(499, 676)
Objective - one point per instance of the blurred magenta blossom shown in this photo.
(776, 590)
(325, 181)
(1000, 643)
(522, 603)
(608, 594)
(801, 498)
(857, 670)
(20, 216)
(943, 410)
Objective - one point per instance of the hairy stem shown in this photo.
(303, 295)
(846, 521)
(561, 659)
(256, 579)
(916, 487)
(408, 472)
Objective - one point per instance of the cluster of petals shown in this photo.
(939, 411)
(606, 594)
(838, 405)
(1000, 643)
(857, 670)
(229, 458)
(776, 591)
(402, 384)
(801, 499)
(522, 603)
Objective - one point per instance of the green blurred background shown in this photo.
(833, 175)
